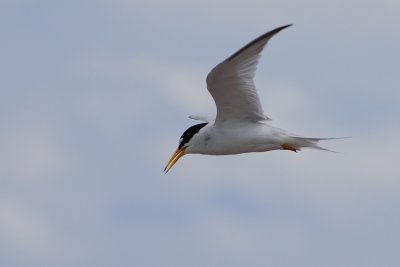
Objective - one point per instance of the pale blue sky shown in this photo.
(95, 95)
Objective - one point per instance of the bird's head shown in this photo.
(184, 144)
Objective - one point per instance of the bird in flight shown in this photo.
(240, 125)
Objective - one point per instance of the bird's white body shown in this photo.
(237, 138)
(246, 137)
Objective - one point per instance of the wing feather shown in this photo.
(231, 83)
(201, 118)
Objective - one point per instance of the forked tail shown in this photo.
(298, 142)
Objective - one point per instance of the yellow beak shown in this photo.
(178, 153)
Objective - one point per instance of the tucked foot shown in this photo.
(289, 147)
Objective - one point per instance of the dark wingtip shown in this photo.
(282, 27)
(265, 35)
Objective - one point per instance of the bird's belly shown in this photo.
(238, 149)
(238, 142)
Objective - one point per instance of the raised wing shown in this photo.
(231, 83)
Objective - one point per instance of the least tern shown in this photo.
(240, 125)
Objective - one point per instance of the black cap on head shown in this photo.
(188, 134)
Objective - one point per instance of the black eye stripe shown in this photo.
(188, 134)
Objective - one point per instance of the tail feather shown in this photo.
(306, 142)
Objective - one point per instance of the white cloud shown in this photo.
(283, 102)
(239, 241)
(187, 88)
(31, 153)
(23, 230)
(118, 97)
